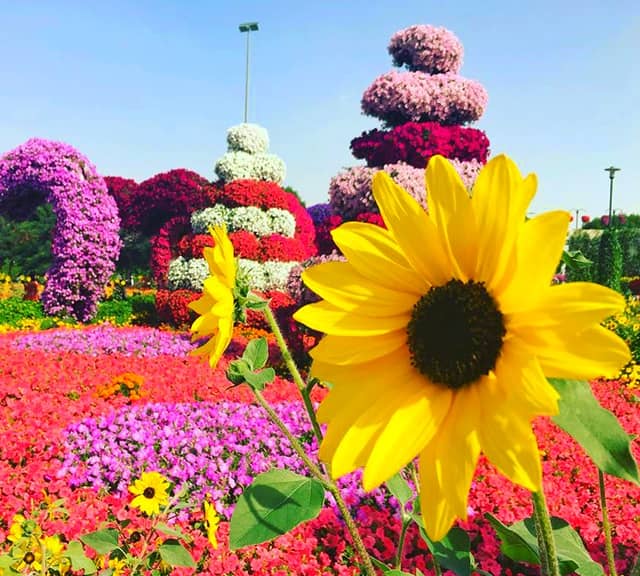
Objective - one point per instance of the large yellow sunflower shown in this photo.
(216, 305)
(441, 331)
(150, 492)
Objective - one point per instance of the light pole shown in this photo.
(577, 211)
(612, 174)
(247, 27)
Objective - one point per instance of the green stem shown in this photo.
(403, 533)
(293, 369)
(548, 556)
(326, 482)
(606, 527)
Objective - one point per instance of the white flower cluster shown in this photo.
(250, 138)
(249, 218)
(265, 276)
(241, 165)
(190, 273)
(247, 156)
(187, 273)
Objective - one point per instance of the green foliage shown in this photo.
(596, 429)
(250, 367)
(609, 270)
(627, 221)
(115, 311)
(13, 310)
(143, 309)
(588, 243)
(135, 253)
(25, 246)
(581, 242)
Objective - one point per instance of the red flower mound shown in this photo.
(123, 190)
(245, 244)
(282, 249)
(161, 246)
(173, 307)
(164, 196)
(415, 142)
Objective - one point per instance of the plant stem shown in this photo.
(606, 527)
(403, 533)
(327, 482)
(544, 532)
(293, 369)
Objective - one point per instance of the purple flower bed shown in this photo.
(107, 339)
(204, 448)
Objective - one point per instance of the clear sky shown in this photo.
(143, 87)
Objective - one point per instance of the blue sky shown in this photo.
(143, 87)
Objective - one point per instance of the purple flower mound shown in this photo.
(204, 448)
(107, 339)
(399, 97)
(427, 49)
(320, 212)
(85, 243)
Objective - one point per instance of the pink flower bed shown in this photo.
(44, 393)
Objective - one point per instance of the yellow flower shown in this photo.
(216, 305)
(27, 555)
(117, 565)
(211, 521)
(15, 530)
(55, 551)
(151, 492)
(441, 330)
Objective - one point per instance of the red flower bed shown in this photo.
(415, 142)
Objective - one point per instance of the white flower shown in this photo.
(186, 273)
(266, 276)
(269, 167)
(249, 218)
(281, 222)
(249, 138)
(235, 166)
(201, 220)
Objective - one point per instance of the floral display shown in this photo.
(247, 157)
(250, 138)
(162, 246)
(85, 243)
(128, 384)
(123, 191)
(451, 391)
(415, 142)
(187, 273)
(249, 218)
(398, 97)
(427, 49)
(151, 492)
(165, 196)
(172, 306)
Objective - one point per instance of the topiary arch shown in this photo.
(85, 243)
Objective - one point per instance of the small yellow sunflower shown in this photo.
(150, 492)
(211, 522)
(216, 305)
(27, 555)
(16, 530)
(441, 331)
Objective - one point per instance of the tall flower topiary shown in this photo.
(85, 242)
(424, 110)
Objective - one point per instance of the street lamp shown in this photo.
(612, 174)
(247, 27)
(577, 211)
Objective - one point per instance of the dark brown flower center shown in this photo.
(29, 558)
(149, 492)
(455, 333)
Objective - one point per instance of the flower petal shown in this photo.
(330, 319)
(413, 230)
(343, 350)
(447, 465)
(375, 254)
(451, 210)
(538, 251)
(341, 285)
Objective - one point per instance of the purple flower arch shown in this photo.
(85, 243)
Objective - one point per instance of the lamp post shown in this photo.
(577, 211)
(612, 174)
(247, 27)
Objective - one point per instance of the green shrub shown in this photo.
(580, 241)
(115, 311)
(13, 310)
(143, 308)
(609, 270)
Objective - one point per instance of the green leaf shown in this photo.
(258, 380)
(102, 541)
(596, 429)
(519, 542)
(175, 532)
(175, 554)
(79, 560)
(255, 302)
(453, 552)
(400, 488)
(256, 353)
(575, 259)
(274, 503)
(393, 572)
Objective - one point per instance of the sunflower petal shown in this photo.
(447, 465)
(374, 253)
(451, 210)
(330, 319)
(341, 285)
(414, 232)
(343, 350)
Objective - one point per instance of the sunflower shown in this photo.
(211, 521)
(150, 492)
(216, 305)
(441, 331)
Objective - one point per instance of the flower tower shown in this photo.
(424, 106)
(270, 230)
